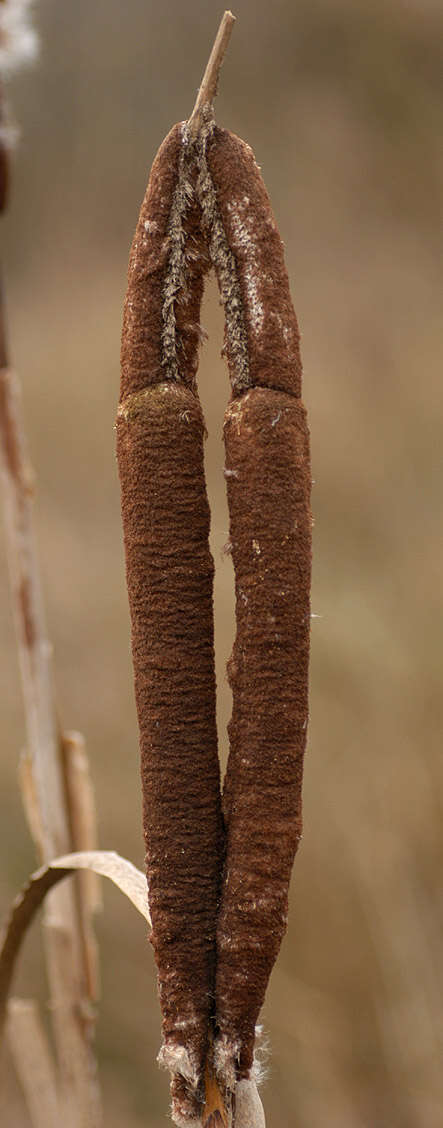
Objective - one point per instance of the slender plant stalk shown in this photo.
(51, 786)
(66, 948)
(33, 1062)
(208, 87)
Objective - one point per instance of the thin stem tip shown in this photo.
(208, 88)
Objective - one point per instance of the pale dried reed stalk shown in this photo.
(69, 956)
(50, 783)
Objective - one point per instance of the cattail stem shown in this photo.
(215, 1114)
(208, 88)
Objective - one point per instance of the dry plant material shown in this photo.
(67, 924)
(218, 889)
(51, 798)
(32, 1056)
(103, 863)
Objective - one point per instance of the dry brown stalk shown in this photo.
(33, 1062)
(215, 1114)
(105, 863)
(49, 804)
(52, 789)
(30, 802)
(64, 936)
(83, 831)
(208, 88)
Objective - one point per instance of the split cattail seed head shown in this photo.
(218, 866)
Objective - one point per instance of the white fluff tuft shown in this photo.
(183, 1121)
(177, 1059)
(259, 1070)
(225, 1056)
(18, 40)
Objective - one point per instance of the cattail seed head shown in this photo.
(218, 884)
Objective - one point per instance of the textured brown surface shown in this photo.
(196, 263)
(141, 353)
(267, 454)
(170, 573)
(143, 360)
(273, 341)
(206, 202)
(351, 155)
(268, 483)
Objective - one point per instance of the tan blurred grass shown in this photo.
(342, 104)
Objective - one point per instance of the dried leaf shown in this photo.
(105, 862)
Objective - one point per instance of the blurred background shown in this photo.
(341, 101)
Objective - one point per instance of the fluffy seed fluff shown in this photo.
(177, 1059)
(18, 40)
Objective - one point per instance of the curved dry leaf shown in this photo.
(104, 862)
